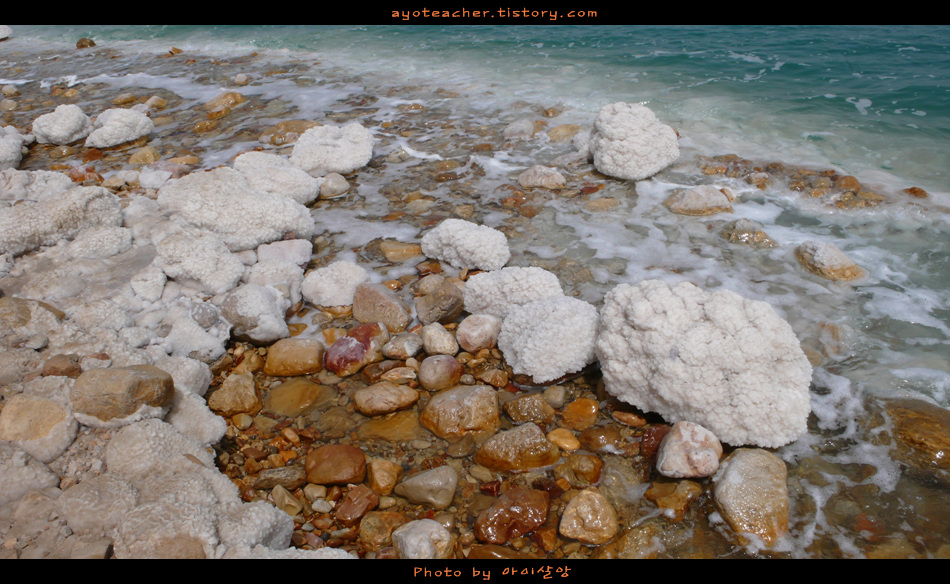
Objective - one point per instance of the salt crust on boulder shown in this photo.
(11, 147)
(284, 276)
(629, 142)
(66, 124)
(549, 338)
(496, 292)
(201, 257)
(333, 285)
(828, 261)
(467, 245)
(699, 201)
(716, 359)
(32, 185)
(257, 312)
(275, 175)
(40, 420)
(222, 201)
(341, 149)
(20, 473)
(27, 226)
(116, 126)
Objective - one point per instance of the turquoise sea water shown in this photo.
(863, 97)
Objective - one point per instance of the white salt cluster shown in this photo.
(496, 292)
(117, 125)
(549, 338)
(629, 142)
(340, 149)
(65, 125)
(333, 285)
(467, 245)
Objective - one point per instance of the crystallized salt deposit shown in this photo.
(467, 245)
(333, 285)
(116, 126)
(66, 124)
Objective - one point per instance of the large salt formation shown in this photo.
(717, 359)
(629, 142)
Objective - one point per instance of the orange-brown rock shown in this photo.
(517, 512)
(460, 411)
(336, 464)
(294, 356)
(298, 396)
(580, 414)
(520, 449)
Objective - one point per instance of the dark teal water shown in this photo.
(862, 97)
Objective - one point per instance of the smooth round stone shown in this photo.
(520, 449)
(384, 398)
(336, 464)
(438, 372)
(437, 340)
(297, 396)
(751, 491)
(581, 470)
(294, 356)
(444, 304)
(688, 451)
(827, 261)
(478, 331)
(464, 410)
(580, 414)
(564, 439)
(589, 518)
(435, 487)
(518, 511)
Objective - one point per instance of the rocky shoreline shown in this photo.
(428, 445)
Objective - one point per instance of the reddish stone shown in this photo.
(517, 512)
(580, 414)
(336, 464)
(650, 442)
(361, 346)
(357, 502)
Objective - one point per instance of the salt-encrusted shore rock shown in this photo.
(316, 391)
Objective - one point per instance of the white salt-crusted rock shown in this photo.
(149, 282)
(255, 524)
(40, 420)
(423, 539)
(496, 292)
(284, 276)
(341, 149)
(296, 251)
(118, 125)
(256, 312)
(701, 200)
(192, 417)
(187, 338)
(222, 201)
(97, 243)
(27, 226)
(152, 446)
(32, 185)
(66, 124)
(5, 32)
(20, 473)
(274, 174)
(827, 260)
(549, 338)
(543, 177)
(201, 257)
(11, 147)
(333, 285)
(97, 504)
(467, 245)
(717, 359)
(629, 142)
